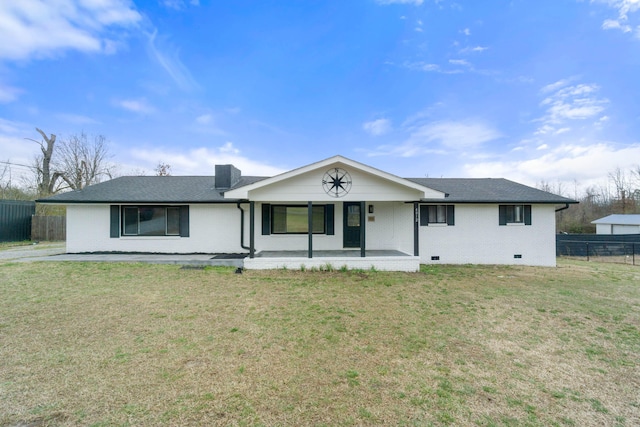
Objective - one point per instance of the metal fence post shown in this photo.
(587, 251)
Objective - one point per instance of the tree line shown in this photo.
(619, 193)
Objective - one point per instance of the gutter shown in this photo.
(242, 228)
(566, 206)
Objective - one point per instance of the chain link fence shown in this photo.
(620, 248)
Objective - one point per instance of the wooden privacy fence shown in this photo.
(48, 228)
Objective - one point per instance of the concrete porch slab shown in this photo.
(381, 260)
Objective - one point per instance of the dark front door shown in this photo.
(351, 224)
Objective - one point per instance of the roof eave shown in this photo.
(121, 202)
(491, 202)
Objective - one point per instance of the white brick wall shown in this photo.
(476, 238)
(213, 228)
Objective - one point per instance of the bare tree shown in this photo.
(5, 180)
(45, 180)
(76, 162)
(83, 161)
(163, 169)
(623, 190)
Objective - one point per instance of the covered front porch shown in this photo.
(382, 260)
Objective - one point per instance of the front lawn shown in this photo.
(133, 344)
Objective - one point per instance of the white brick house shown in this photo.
(336, 211)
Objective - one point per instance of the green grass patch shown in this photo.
(135, 344)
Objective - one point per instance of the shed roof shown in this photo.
(619, 219)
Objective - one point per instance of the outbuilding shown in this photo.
(618, 224)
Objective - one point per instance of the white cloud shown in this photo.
(624, 8)
(201, 161)
(8, 94)
(455, 134)
(207, 124)
(413, 2)
(377, 127)
(552, 87)
(429, 68)
(40, 28)
(566, 102)
(76, 119)
(473, 49)
(462, 62)
(610, 24)
(441, 137)
(18, 150)
(179, 4)
(204, 119)
(466, 32)
(170, 62)
(140, 106)
(568, 162)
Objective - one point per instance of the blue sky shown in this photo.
(530, 91)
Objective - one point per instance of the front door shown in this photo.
(351, 227)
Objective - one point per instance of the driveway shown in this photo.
(56, 252)
(33, 252)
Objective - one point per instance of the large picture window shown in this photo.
(154, 220)
(294, 219)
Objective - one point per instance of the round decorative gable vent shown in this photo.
(336, 182)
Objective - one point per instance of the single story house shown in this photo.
(618, 224)
(336, 211)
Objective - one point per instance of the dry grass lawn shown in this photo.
(130, 344)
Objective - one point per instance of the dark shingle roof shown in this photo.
(201, 189)
(150, 189)
(488, 190)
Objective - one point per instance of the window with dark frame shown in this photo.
(294, 219)
(514, 214)
(151, 221)
(437, 214)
